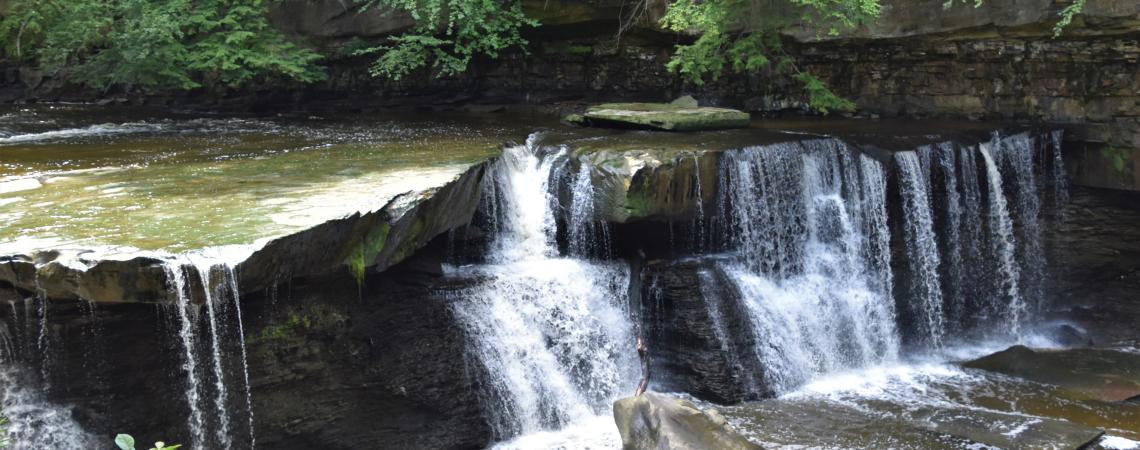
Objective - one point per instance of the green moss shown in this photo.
(574, 119)
(299, 322)
(637, 205)
(1117, 158)
(367, 250)
(408, 243)
(580, 50)
(666, 116)
(294, 325)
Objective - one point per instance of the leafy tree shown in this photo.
(742, 36)
(154, 44)
(448, 34)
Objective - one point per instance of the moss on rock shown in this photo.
(664, 116)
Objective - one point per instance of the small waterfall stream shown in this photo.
(209, 366)
(34, 421)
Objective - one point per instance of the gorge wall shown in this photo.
(996, 61)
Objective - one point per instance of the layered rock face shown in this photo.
(331, 365)
(1001, 61)
(996, 61)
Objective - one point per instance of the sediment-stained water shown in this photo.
(188, 182)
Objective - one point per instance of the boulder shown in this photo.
(701, 340)
(680, 116)
(1099, 374)
(654, 421)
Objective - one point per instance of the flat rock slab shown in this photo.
(661, 116)
(1100, 374)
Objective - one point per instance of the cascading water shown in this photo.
(586, 236)
(1004, 247)
(34, 422)
(955, 308)
(215, 412)
(1058, 178)
(922, 249)
(809, 222)
(553, 334)
(988, 270)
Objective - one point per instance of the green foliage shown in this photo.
(1116, 157)
(741, 36)
(127, 442)
(1067, 15)
(154, 44)
(820, 97)
(294, 323)
(447, 35)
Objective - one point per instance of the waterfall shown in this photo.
(553, 334)
(698, 195)
(809, 223)
(187, 316)
(34, 422)
(972, 235)
(921, 248)
(200, 369)
(586, 235)
(951, 237)
(1018, 152)
(1059, 180)
(231, 280)
(1004, 247)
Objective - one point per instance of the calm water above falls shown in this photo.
(186, 182)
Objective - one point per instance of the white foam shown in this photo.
(93, 130)
(592, 433)
(1118, 443)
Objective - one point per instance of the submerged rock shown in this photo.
(1012, 431)
(1100, 374)
(680, 116)
(655, 421)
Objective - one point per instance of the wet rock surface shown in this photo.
(1095, 274)
(362, 243)
(700, 340)
(332, 365)
(656, 421)
(1101, 374)
(383, 366)
(662, 116)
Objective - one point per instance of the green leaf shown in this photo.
(125, 442)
